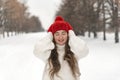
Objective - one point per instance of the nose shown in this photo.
(60, 37)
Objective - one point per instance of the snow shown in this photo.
(17, 61)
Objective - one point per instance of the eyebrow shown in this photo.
(61, 32)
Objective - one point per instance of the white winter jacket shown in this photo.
(43, 49)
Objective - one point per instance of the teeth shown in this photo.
(61, 40)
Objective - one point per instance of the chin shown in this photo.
(61, 43)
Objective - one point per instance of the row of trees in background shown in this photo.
(92, 16)
(14, 17)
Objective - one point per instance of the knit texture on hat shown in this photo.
(59, 24)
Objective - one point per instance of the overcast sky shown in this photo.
(44, 9)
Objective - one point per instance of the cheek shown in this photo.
(55, 38)
(66, 37)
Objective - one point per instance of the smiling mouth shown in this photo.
(61, 40)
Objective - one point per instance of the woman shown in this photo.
(60, 50)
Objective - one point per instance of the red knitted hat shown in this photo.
(59, 24)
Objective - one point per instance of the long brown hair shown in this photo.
(69, 57)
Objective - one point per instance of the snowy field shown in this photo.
(17, 61)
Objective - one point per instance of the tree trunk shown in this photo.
(116, 25)
(104, 30)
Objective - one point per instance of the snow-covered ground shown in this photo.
(17, 61)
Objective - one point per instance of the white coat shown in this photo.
(43, 49)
